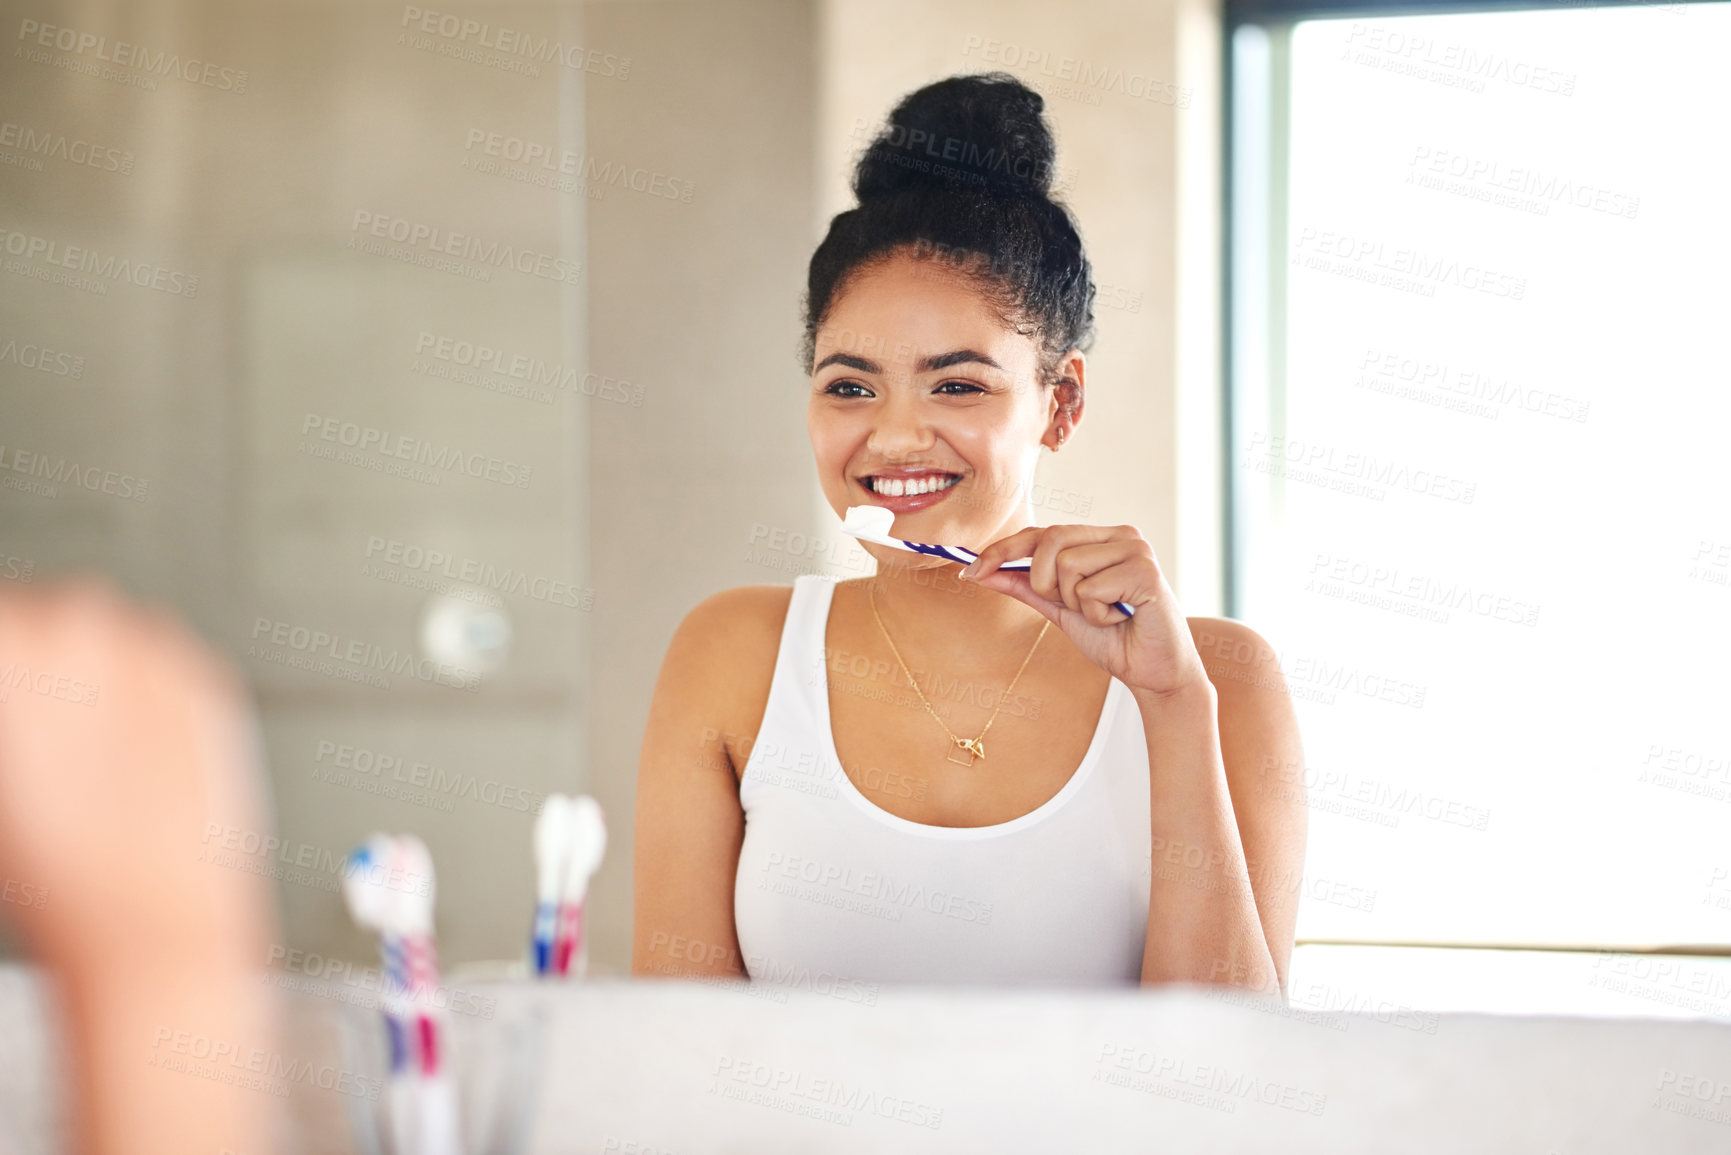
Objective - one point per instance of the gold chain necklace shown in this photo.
(970, 748)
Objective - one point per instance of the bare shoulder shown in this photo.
(1236, 657)
(722, 658)
(741, 616)
(690, 821)
(1258, 726)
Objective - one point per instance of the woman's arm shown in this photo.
(708, 704)
(1212, 735)
(1227, 845)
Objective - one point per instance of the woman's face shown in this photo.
(923, 401)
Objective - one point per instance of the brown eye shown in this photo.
(834, 389)
(966, 388)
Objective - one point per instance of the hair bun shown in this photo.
(973, 132)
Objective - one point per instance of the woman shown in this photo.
(826, 796)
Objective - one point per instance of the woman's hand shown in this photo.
(1078, 571)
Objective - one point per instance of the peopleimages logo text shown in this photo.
(367, 438)
(35, 34)
(145, 275)
(467, 246)
(514, 42)
(45, 142)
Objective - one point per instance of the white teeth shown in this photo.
(898, 487)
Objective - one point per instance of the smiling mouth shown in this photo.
(909, 486)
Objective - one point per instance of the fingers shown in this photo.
(1014, 583)
(1067, 554)
(1124, 582)
(1074, 565)
(1081, 568)
(1028, 542)
(1019, 544)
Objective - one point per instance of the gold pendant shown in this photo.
(970, 749)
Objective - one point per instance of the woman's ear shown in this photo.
(1067, 399)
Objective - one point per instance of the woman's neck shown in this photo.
(924, 601)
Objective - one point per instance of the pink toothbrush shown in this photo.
(437, 1133)
(587, 845)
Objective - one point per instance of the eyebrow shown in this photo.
(926, 365)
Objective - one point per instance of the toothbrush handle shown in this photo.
(546, 927)
(570, 935)
(404, 1107)
(399, 1043)
(1025, 563)
(439, 1134)
(429, 1045)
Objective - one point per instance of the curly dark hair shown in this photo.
(962, 175)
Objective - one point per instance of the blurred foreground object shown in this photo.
(128, 762)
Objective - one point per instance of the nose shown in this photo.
(900, 431)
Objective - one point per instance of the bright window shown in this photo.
(1481, 501)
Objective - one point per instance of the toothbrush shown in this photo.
(872, 523)
(371, 906)
(552, 855)
(588, 843)
(437, 1122)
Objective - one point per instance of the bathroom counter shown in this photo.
(677, 1068)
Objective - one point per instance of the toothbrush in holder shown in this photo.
(372, 906)
(872, 523)
(552, 859)
(588, 843)
(437, 1124)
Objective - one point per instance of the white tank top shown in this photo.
(832, 888)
